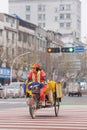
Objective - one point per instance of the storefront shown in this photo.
(16, 75)
(4, 75)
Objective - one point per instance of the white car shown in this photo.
(15, 89)
(1, 92)
(74, 89)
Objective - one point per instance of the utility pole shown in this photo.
(14, 62)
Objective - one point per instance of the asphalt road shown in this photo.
(75, 100)
(14, 115)
(12, 103)
(71, 117)
(21, 102)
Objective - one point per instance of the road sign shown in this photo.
(79, 49)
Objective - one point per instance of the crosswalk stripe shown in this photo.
(70, 118)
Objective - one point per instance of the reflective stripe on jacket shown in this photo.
(35, 76)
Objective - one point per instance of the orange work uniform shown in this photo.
(38, 76)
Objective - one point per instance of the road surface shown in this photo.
(71, 117)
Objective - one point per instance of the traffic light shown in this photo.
(53, 50)
(67, 49)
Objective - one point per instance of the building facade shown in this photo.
(63, 16)
(18, 36)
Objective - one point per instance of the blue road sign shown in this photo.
(79, 49)
(4, 72)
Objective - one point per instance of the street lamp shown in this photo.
(14, 62)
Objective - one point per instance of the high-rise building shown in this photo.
(63, 16)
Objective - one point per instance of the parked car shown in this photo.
(1, 91)
(14, 90)
(74, 89)
(83, 85)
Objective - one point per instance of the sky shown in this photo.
(4, 9)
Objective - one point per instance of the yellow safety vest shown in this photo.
(38, 77)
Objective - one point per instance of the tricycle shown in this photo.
(34, 101)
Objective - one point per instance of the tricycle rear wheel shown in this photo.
(32, 110)
(56, 106)
(56, 103)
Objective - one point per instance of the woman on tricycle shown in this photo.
(39, 91)
(38, 75)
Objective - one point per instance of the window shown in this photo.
(29, 39)
(41, 16)
(41, 44)
(28, 8)
(27, 17)
(13, 37)
(7, 19)
(78, 25)
(41, 7)
(44, 44)
(40, 24)
(25, 37)
(61, 7)
(7, 51)
(56, 18)
(0, 32)
(13, 20)
(56, 9)
(7, 35)
(68, 16)
(13, 51)
(68, 7)
(61, 16)
(19, 36)
(44, 25)
(68, 25)
(78, 8)
(61, 25)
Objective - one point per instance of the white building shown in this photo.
(18, 36)
(63, 16)
(8, 35)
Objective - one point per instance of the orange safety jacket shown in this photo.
(35, 76)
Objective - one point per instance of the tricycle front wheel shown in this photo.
(56, 106)
(56, 102)
(32, 109)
